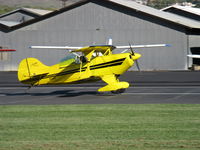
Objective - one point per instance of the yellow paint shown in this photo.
(107, 68)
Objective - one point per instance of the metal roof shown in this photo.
(189, 9)
(9, 23)
(37, 11)
(189, 23)
(158, 13)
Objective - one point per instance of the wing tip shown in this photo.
(168, 45)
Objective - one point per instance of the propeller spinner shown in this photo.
(136, 61)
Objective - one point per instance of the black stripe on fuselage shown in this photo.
(107, 63)
(93, 67)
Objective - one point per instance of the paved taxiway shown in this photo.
(147, 88)
(88, 95)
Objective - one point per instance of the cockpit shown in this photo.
(68, 60)
(76, 59)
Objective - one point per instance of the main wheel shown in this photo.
(118, 91)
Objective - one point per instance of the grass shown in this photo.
(5, 9)
(100, 127)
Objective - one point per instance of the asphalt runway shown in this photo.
(147, 88)
(88, 95)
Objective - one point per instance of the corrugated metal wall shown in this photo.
(94, 24)
(194, 41)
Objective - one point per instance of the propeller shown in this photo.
(137, 65)
(136, 61)
(132, 52)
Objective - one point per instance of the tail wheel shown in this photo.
(119, 91)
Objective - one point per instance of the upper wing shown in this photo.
(56, 47)
(143, 46)
(88, 49)
(194, 56)
(98, 48)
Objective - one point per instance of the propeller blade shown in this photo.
(124, 50)
(132, 52)
(136, 61)
(137, 65)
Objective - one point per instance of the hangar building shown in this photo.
(90, 22)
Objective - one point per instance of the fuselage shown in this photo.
(99, 66)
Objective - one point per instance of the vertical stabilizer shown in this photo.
(31, 70)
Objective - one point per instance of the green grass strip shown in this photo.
(100, 127)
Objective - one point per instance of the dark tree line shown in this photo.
(153, 3)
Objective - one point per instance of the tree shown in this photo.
(164, 3)
(197, 3)
(160, 3)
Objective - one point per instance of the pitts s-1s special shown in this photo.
(96, 62)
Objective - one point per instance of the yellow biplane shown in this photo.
(97, 62)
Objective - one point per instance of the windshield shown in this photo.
(69, 59)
